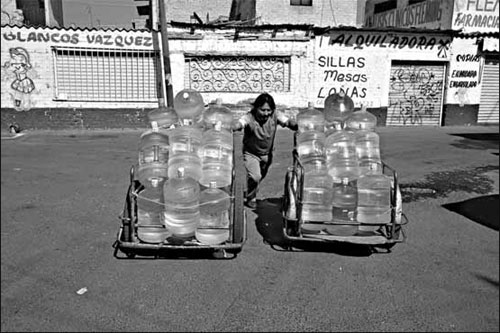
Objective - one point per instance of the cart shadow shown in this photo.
(483, 210)
(175, 255)
(269, 224)
(477, 141)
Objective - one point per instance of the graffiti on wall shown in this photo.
(418, 94)
(21, 84)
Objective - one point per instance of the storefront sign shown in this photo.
(415, 15)
(92, 39)
(476, 15)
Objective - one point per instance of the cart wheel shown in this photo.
(220, 254)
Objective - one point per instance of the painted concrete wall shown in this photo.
(181, 11)
(360, 62)
(431, 14)
(37, 43)
(221, 43)
(322, 12)
(476, 15)
(354, 60)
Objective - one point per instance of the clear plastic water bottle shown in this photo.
(374, 200)
(310, 120)
(153, 158)
(345, 199)
(218, 113)
(150, 226)
(217, 157)
(185, 151)
(367, 151)
(182, 199)
(317, 196)
(163, 118)
(189, 105)
(311, 149)
(337, 108)
(341, 158)
(361, 120)
(214, 216)
(363, 124)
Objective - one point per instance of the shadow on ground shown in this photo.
(269, 224)
(477, 141)
(483, 210)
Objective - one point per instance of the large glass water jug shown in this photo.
(337, 108)
(153, 157)
(150, 226)
(214, 216)
(163, 118)
(310, 119)
(185, 151)
(182, 198)
(341, 158)
(189, 105)
(218, 113)
(374, 200)
(217, 157)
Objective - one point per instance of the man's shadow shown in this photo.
(269, 224)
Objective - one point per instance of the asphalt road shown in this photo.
(62, 193)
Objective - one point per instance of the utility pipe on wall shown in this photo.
(166, 54)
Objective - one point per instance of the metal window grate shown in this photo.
(237, 73)
(106, 75)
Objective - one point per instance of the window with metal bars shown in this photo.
(237, 73)
(106, 75)
(301, 2)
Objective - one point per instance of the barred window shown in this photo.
(237, 73)
(301, 2)
(106, 75)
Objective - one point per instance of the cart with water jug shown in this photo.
(129, 245)
(384, 236)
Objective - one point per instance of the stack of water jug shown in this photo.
(185, 166)
(343, 180)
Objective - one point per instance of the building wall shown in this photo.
(322, 12)
(476, 15)
(356, 61)
(431, 14)
(181, 11)
(10, 14)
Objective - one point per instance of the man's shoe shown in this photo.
(252, 204)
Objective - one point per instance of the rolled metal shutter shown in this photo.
(415, 93)
(488, 105)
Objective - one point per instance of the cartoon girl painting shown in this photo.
(22, 85)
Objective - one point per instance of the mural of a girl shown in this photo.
(22, 85)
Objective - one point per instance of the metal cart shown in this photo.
(387, 235)
(128, 243)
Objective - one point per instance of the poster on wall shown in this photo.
(465, 71)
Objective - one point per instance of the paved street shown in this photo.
(62, 193)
